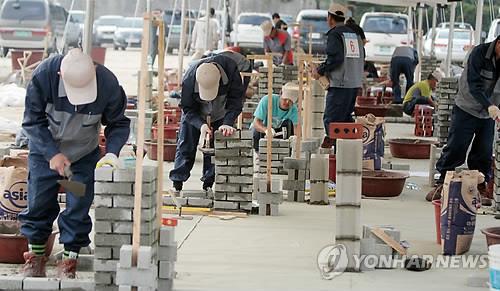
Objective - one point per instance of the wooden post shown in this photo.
(308, 109)
(269, 119)
(310, 39)
(182, 43)
(299, 107)
(161, 117)
(141, 107)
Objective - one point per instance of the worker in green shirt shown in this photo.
(421, 93)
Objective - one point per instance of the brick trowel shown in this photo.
(206, 148)
(74, 187)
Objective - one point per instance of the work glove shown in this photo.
(227, 130)
(109, 160)
(292, 139)
(270, 132)
(494, 112)
(204, 130)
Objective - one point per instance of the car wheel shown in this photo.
(115, 47)
(124, 48)
(4, 51)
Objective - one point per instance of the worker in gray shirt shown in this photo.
(404, 61)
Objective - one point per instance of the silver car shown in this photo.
(105, 27)
(129, 33)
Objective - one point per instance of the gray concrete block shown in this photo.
(125, 227)
(246, 171)
(122, 201)
(149, 174)
(126, 256)
(222, 153)
(200, 202)
(319, 192)
(120, 214)
(292, 163)
(78, 284)
(297, 185)
(247, 206)
(104, 278)
(113, 188)
(103, 253)
(269, 198)
(144, 257)
(389, 230)
(137, 277)
(103, 201)
(241, 179)
(319, 167)
(106, 287)
(102, 227)
(168, 253)
(104, 174)
(242, 161)
(275, 185)
(166, 270)
(239, 197)
(239, 144)
(220, 179)
(227, 205)
(167, 200)
(246, 152)
(296, 196)
(273, 209)
(349, 155)
(167, 236)
(38, 284)
(227, 170)
(112, 239)
(246, 134)
(246, 188)
(227, 188)
(220, 196)
(11, 282)
(165, 284)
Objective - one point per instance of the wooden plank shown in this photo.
(161, 118)
(299, 105)
(388, 240)
(201, 211)
(269, 119)
(141, 108)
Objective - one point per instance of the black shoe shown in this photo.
(207, 185)
(178, 186)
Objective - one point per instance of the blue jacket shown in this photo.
(478, 80)
(229, 99)
(53, 125)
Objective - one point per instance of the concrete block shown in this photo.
(296, 185)
(227, 170)
(167, 200)
(292, 163)
(112, 239)
(168, 253)
(220, 179)
(104, 253)
(200, 202)
(275, 185)
(247, 188)
(243, 161)
(106, 287)
(113, 188)
(78, 284)
(228, 205)
(247, 206)
(104, 278)
(104, 174)
(31, 283)
(126, 256)
(239, 144)
(269, 198)
(167, 236)
(137, 277)
(227, 188)
(166, 270)
(102, 227)
(246, 152)
(227, 152)
(11, 282)
(239, 197)
(348, 223)
(241, 179)
(144, 257)
(319, 167)
(119, 214)
(309, 146)
(149, 174)
(348, 191)
(296, 196)
(349, 155)
(246, 171)
(220, 196)
(165, 284)
(319, 192)
(389, 230)
(103, 201)
(268, 209)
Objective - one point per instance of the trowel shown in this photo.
(206, 148)
(74, 187)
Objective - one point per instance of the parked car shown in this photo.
(384, 32)
(494, 30)
(248, 33)
(129, 33)
(463, 41)
(312, 21)
(105, 27)
(31, 24)
(74, 28)
(174, 31)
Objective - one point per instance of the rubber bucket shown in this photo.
(437, 218)
(332, 168)
(494, 259)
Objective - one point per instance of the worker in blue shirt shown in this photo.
(66, 102)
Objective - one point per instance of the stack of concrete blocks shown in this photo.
(114, 203)
(167, 256)
(428, 66)
(277, 80)
(295, 185)
(247, 114)
(269, 198)
(447, 91)
(496, 186)
(434, 156)
(233, 171)
(281, 149)
(148, 124)
(319, 179)
(318, 109)
(307, 148)
(348, 197)
(290, 73)
(373, 245)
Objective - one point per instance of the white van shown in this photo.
(494, 30)
(384, 32)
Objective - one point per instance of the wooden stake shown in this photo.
(308, 107)
(141, 107)
(161, 117)
(299, 105)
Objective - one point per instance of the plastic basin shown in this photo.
(410, 148)
(382, 183)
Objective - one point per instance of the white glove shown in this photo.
(227, 130)
(271, 133)
(109, 160)
(494, 112)
(204, 130)
(292, 139)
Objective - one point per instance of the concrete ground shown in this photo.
(280, 253)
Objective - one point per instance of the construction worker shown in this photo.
(66, 102)
(403, 61)
(277, 41)
(351, 23)
(211, 89)
(278, 23)
(199, 41)
(473, 118)
(285, 115)
(421, 93)
(343, 67)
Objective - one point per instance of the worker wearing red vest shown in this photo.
(277, 41)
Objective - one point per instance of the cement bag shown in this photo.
(373, 141)
(458, 211)
(14, 186)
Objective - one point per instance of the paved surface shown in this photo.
(279, 253)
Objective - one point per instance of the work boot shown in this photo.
(485, 195)
(34, 265)
(327, 143)
(66, 269)
(435, 193)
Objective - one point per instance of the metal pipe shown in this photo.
(89, 23)
(181, 42)
(207, 31)
(236, 12)
(479, 22)
(433, 33)
(453, 8)
(420, 40)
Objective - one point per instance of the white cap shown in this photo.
(337, 10)
(208, 77)
(437, 74)
(290, 91)
(79, 77)
(267, 27)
